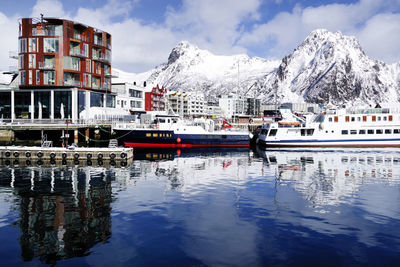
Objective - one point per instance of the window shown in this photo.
(22, 45)
(21, 63)
(361, 132)
(32, 61)
(358, 118)
(88, 65)
(373, 118)
(38, 77)
(388, 131)
(50, 45)
(370, 131)
(110, 101)
(30, 76)
(345, 132)
(273, 132)
(353, 119)
(310, 132)
(96, 99)
(379, 131)
(48, 77)
(390, 117)
(385, 118)
(336, 119)
(85, 51)
(379, 118)
(353, 131)
(347, 118)
(364, 118)
(22, 77)
(72, 63)
(155, 135)
(148, 134)
(396, 131)
(32, 45)
(81, 101)
(87, 79)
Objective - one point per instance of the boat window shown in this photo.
(373, 118)
(358, 118)
(353, 119)
(264, 131)
(336, 118)
(330, 119)
(353, 131)
(345, 132)
(385, 118)
(379, 118)
(310, 132)
(396, 131)
(303, 132)
(370, 131)
(364, 118)
(168, 120)
(155, 134)
(161, 120)
(390, 117)
(379, 131)
(361, 132)
(272, 132)
(347, 118)
(148, 134)
(388, 131)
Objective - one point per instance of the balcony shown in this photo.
(77, 53)
(46, 66)
(101, 58)
(113, 74)
(73, 83)
(105, 86)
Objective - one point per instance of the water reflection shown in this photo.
(63, 211)
(332, 177)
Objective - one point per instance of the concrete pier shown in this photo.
(59, 153)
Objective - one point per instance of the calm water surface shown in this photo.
(206, 208)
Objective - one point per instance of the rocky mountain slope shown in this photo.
(326, 67)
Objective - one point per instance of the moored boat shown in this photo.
(171, 131)
(379, 127)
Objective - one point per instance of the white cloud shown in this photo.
(287, 30)
(49, 8)
(9, 28)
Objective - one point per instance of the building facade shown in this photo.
(155, 100)
(129, 97)
(64, 68)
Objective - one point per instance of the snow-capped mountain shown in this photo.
(331, 67)
(326, 67)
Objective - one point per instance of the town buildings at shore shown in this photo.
(64, 71)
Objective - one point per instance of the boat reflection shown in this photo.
(327, 177)
(63, 212)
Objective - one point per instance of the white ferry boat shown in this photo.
(378, 127)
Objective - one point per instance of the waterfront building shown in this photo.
(155, 99)
(129, 96)
(235, 106)
(178, 103)
(64, 68)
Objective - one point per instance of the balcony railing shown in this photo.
(101, 58)
(46, 66)
(73, 83)
(77, 53)
(113, 74)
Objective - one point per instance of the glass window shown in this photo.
(272, 132)
(22, 45)
(396, 131)
(96, 100)
(48, 77)
(361, 132)
(353, 119)
(110, 101)
(22, 105)
(21, 63)
(385, 118)
(32, 61)
(353, 131)
(379, 118)
(388, 131)
(370, 131)
(345, 132)
(379, 131)
(96, 82)
(72, 79)
(32, 45)
(72, 63)
(81, 102)
(50, 45)
(30, 76)
(38, 77)
(5, 105)
(87, 80)
(42, 104)
(88, 65)
(22, 77)
(85, 50)
(62, 104)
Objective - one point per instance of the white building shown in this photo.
(197, 105)
(187, 104)
(232, 105)
(129, 97)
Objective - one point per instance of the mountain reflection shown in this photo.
(63, 212)
(331, 177)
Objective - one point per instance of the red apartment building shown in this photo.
(64, 68)
(155, 100)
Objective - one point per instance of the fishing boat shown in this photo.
(372, 127)
(173, 132)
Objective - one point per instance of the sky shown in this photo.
(145, 31)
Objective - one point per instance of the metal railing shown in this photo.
(46, 66)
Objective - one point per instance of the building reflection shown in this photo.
(331, 177)
(64, 212)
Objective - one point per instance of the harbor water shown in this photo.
(235, 207)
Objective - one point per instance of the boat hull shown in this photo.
(170, 139)
(331, 143)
